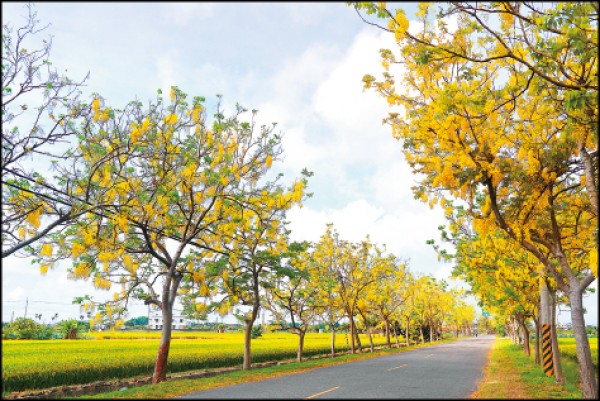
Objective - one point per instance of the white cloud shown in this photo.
(340, 99)
(306, 13)
(290, 90)
(298, 77)
(16, 294)
(391, 183)
(404, 231)
(355, 116)
(48, 294)
(182, 14)
(353, 222)
(444, 272)
(299, 154)
(333, 127)
(165, 71)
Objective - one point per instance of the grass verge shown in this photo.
(511, 374)
(173, 388)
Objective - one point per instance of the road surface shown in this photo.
(449, 370)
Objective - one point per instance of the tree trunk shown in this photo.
(407, 333)
(590, 182)
(526, 348)
(387, 333)
(513, 333)
(346, 337)
(358, 342)
(160, 367)
(431, 330)
(352, 329)
(587, 373)
(247, 344)
(536, 321)
(332, 341)
(300, 345)
(421, 333)
(248, 337)
(519, 333)
(370, 339)
(514, 328)
(558, 373)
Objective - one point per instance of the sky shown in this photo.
(300, 65)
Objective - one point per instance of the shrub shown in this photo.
(26, 329)
(257, 331)
(70, 329)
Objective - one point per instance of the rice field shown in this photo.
(568, 350)
(38, 364)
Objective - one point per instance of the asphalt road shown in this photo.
(449, 370)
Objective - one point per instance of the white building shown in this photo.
(180, 322)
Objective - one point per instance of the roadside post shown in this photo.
(546, 317)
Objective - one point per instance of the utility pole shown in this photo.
(546, 319)
(26, 304)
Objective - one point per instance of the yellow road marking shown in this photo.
(397, 367)
(322, 392)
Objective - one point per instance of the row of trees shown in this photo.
(500, 116)
(334, 280)
(162, 204)
(508, 281)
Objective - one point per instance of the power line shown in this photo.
(63, 303)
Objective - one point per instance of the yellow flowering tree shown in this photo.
(353, 270)
(33, 135)
(503, 275)
(406, 315)
(429, 306)
(391, 292)
(325, 255)
(247, 256)
(382, 298)
(461, 316)
(489, 110)
(292, 296)
(173, 189)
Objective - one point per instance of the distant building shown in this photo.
(180, 322)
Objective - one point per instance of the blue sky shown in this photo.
(299, 64)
